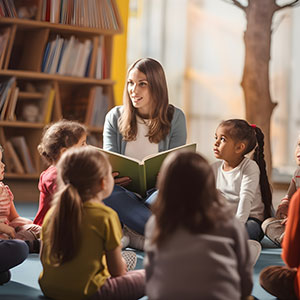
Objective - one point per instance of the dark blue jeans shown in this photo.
(254, 230)
(131, 209)
(12, 253)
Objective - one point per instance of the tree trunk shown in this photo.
(255, 81)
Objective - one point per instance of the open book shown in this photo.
(142, 173)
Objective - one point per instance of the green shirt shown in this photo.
(87, 271)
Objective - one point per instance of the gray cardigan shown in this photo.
(113, 139)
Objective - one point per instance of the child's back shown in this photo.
(194, 246)
(85, 273)
(194, 266)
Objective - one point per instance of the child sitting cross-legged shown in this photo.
(241, 180)
(274, 227)
(81, 236)
(12, 226)
(195, 247)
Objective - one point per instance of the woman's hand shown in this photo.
(10, 231)
(123, 181)
(282, 209)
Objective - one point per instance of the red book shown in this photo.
(48, 4)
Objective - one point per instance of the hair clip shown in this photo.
(253, 125)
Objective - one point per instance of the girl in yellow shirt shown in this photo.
(81, 249)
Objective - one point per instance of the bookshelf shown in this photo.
(55, 62)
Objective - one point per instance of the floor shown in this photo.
(24, 284)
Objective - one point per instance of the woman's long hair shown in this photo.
(80, 174)
(187, 197)
(161, 114)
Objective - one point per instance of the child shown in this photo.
(12, 253)
(57, 137)
(241, 180)
(274, 227)
(12, 226)
(284, 281)
(81, 251)
(195, 248)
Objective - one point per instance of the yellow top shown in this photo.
(82, 276)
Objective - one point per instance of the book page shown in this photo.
(127, 166)
(152, 163)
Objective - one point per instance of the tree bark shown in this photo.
(255, 81)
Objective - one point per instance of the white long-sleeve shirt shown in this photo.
(240, 186)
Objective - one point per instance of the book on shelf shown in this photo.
(100, 59)
(6, 102)
(4, 38)
(97, 107)
(5, 91)
(143, 173)
(91, 13)
(11, 116)
(12, 159)
(46, 103)
(21, 148)
(7, 7)
(66, 55)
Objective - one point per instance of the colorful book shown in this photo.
(142, 173)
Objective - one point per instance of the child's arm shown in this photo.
(283, 206)
(13, 212)
(10, 231)
(14, 219)
(248, 188)
(115, 262)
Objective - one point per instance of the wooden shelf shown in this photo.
(33, 46)
(55, 77)
(21, 176)
(58, 27)
(21, 124)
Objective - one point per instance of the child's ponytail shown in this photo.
(265, 189)
(80, 174)
(65, 232)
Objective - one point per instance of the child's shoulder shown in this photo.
(248, 163)
(49, 172)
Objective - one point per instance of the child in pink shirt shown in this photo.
(56, 138)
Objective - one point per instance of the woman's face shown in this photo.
(139, 92)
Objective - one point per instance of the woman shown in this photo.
(145, 124)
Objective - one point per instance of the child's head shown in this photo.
(187, 196)
(83, 174)
(234, 137)
(245, 138)
(2, 165)
(297, 151)
(59, 136)
(87, 170)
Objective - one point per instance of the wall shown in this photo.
(200, 44)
